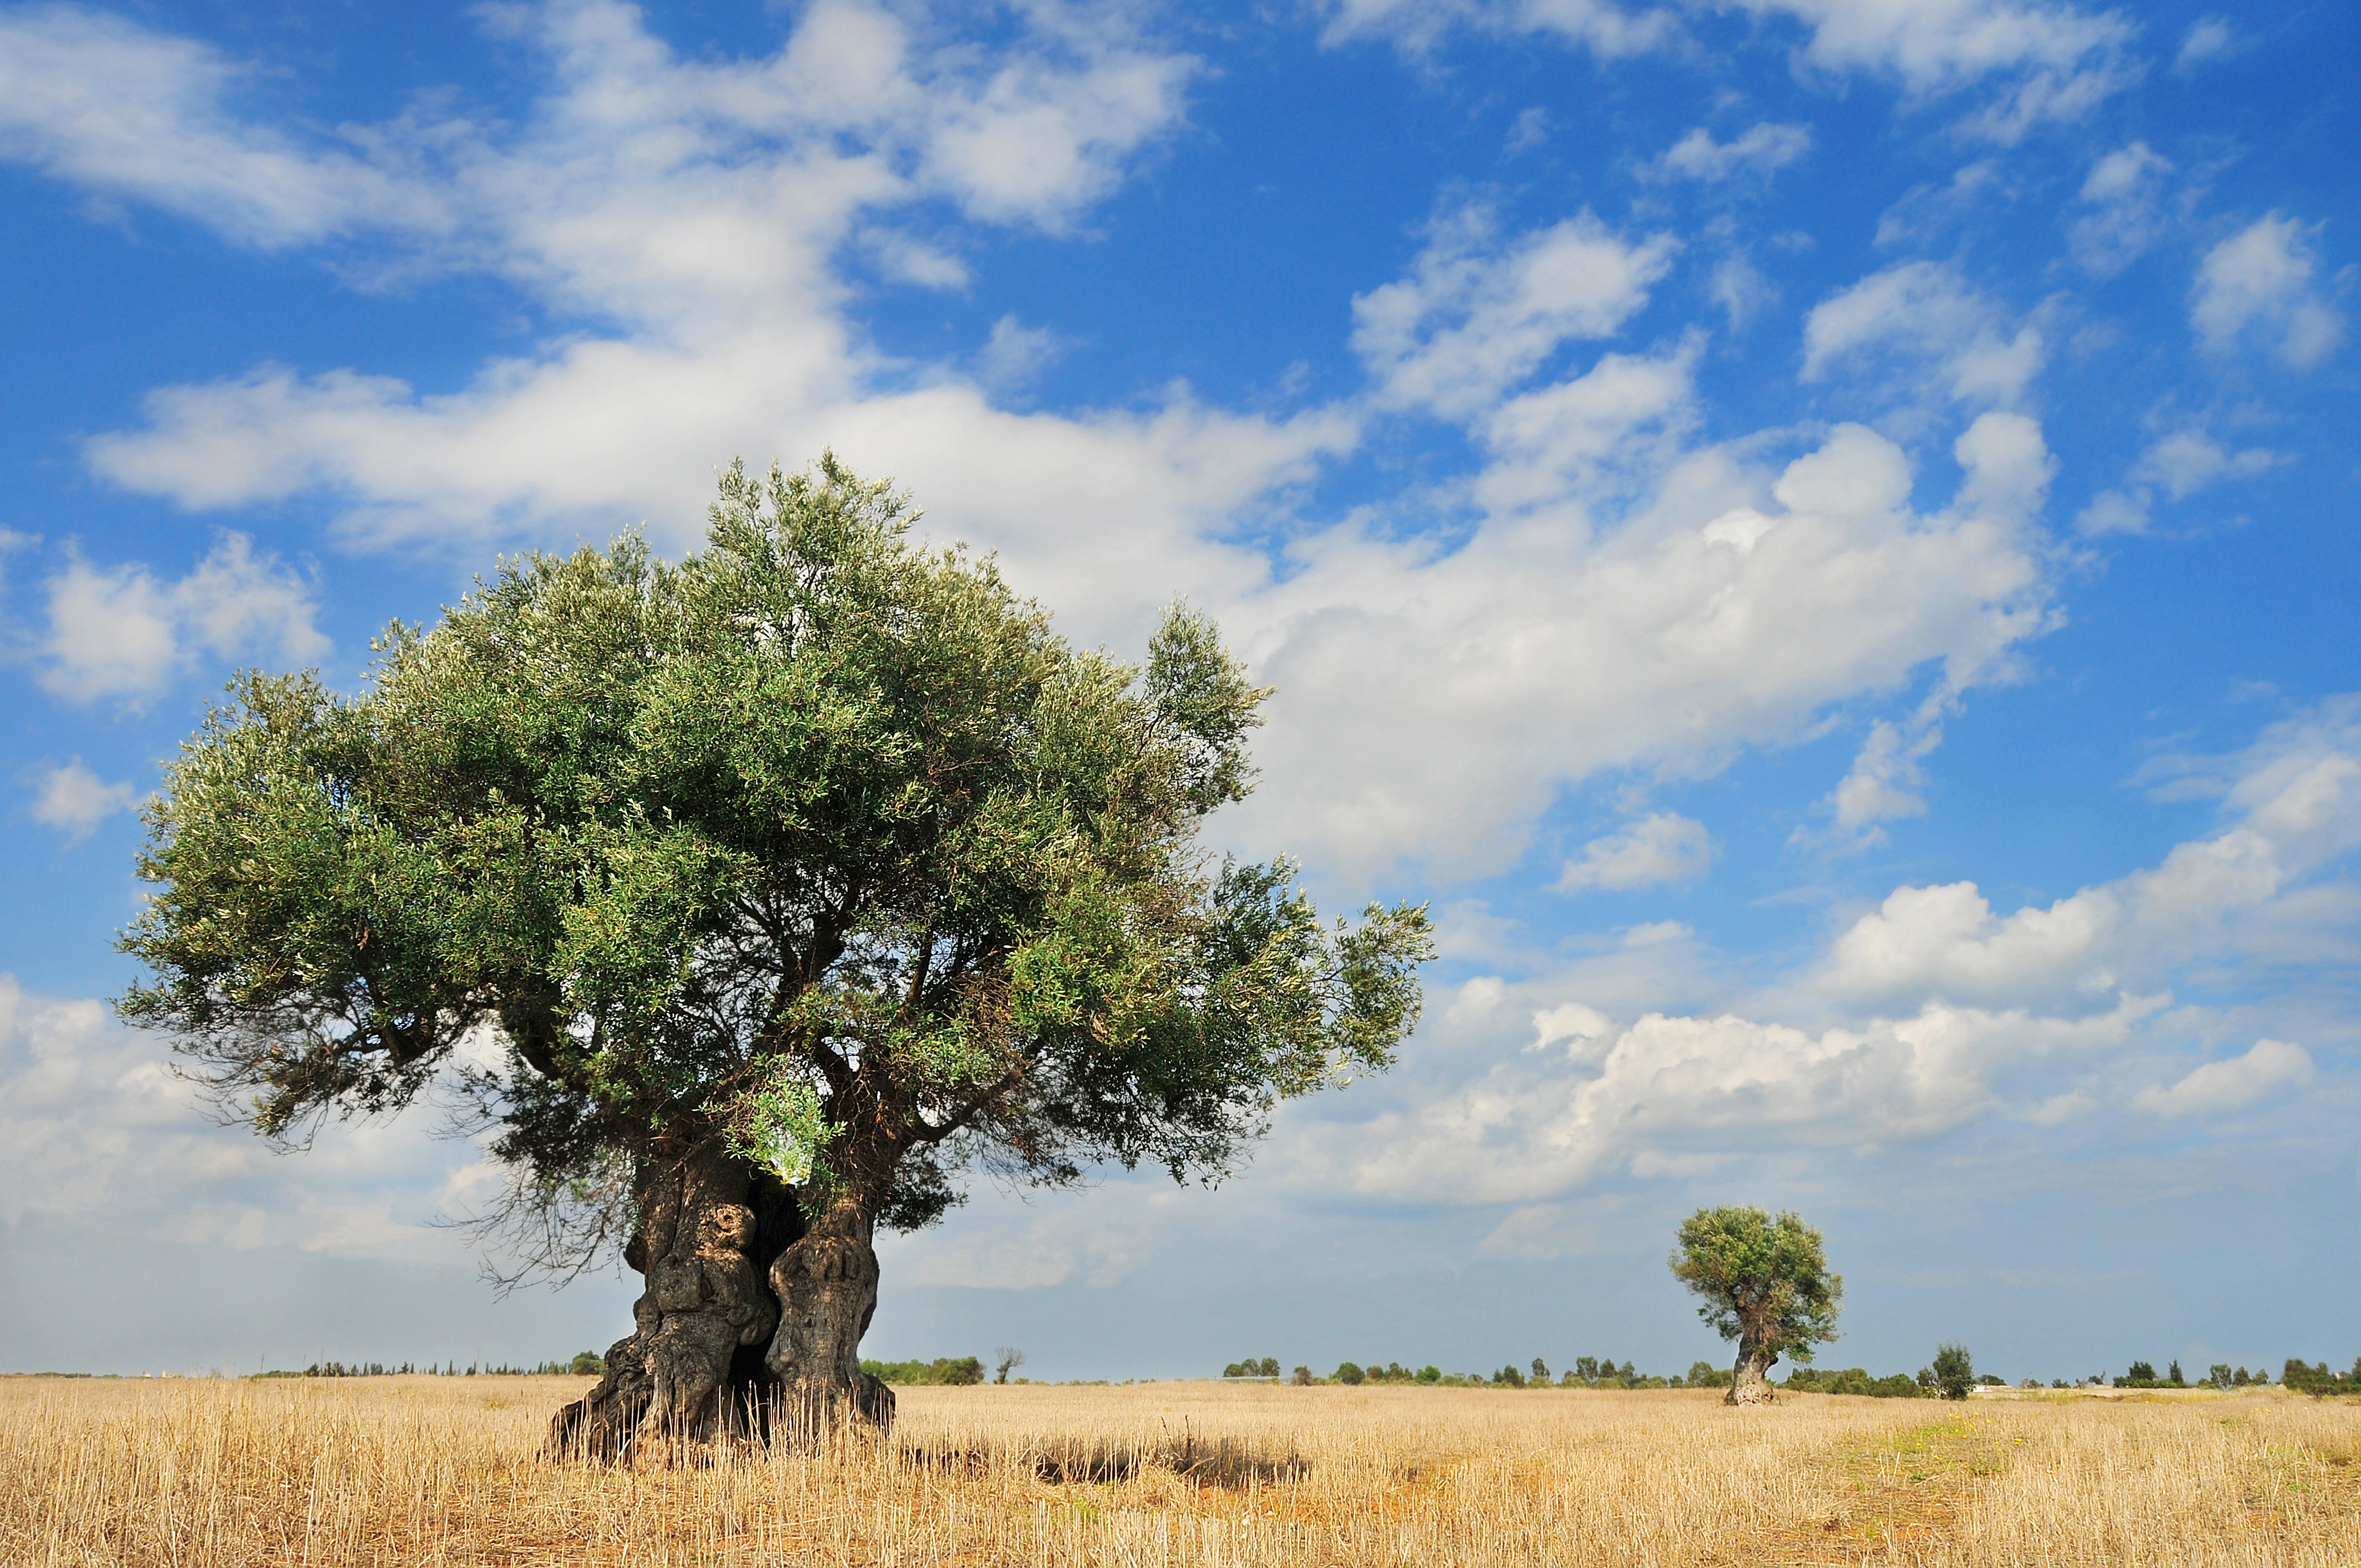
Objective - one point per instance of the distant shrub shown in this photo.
(1349, 1373)
(1430, 1374)
(1705, 1374)
(1953, 1371)
(589, 1364)
(1509, 1376)
(2300, 1379)
(951, 1371)
(1303, 1379)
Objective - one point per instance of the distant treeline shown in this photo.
(1591, 1372)
(1588, 1372)
(589, 1364)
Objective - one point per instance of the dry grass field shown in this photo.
(436, 1471)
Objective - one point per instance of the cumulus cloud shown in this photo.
(1661, 848)
(1618, 597)
(1761, 151)
(2297, 804)
(95, 1125)
(2259, 283)
(1670, 1089)
(2233, 1085)
(75, 800)
(1431, 706)
(120, 632)
(1921, 316)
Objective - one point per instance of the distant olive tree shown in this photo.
(1953, 1371)
(1767, 1285)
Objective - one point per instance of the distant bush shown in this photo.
(2298, 1378)
(1266, 1366)
(1848, 1380)
(1349, 1372)
(1430, 1374)
(1954, 1371)
(1509, 1376)
(589, 1364)
(1705, 1374)
(951, 1371)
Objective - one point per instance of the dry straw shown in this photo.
(436, 1471)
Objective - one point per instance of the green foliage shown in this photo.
(1349, 1372)
(1765, 1282)
(1509, 1376)
(948, 1371)
(1953, 1369)
(589, 1364)
(1430, 1374)
(2300, 1379)
(815, 841)
(1705, 1374)
(1267, 1367)
(1848, 1380)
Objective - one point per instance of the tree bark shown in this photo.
(1749, 1380)
(710, 1226)
(827, 1287)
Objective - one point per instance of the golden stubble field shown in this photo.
(434, 1471)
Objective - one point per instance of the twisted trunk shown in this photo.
(827, 1289)
(1750, 1382)
(710, 1226)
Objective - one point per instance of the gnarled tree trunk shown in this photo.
(710, 1227)
(1750, 1382)
(827, 1287)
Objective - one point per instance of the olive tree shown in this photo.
(747, 902)
(1765, 1284)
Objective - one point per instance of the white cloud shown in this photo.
(2039, 62)
(1672, 1089)
(118, 632)
(1661, 848)
(2208, 38)
(1476, 316)
(2260, 281)
(2180, 463)
(2190, 460)
(1606, 29)
(2297, 795)
(2125, 191)
(95, 1126)
(1431, 706)
(113, 107)
(1760, 150)
(2233, 1085)
(1620, 597)
(1015, 354)
(75, 801)
(1923, 313)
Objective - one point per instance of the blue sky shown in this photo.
(1818, 533)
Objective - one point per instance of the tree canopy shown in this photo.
(818, 843)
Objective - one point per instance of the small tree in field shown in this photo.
(1006, 1360)
(749, 901)
(1954, 1371)
(1765, 1284)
